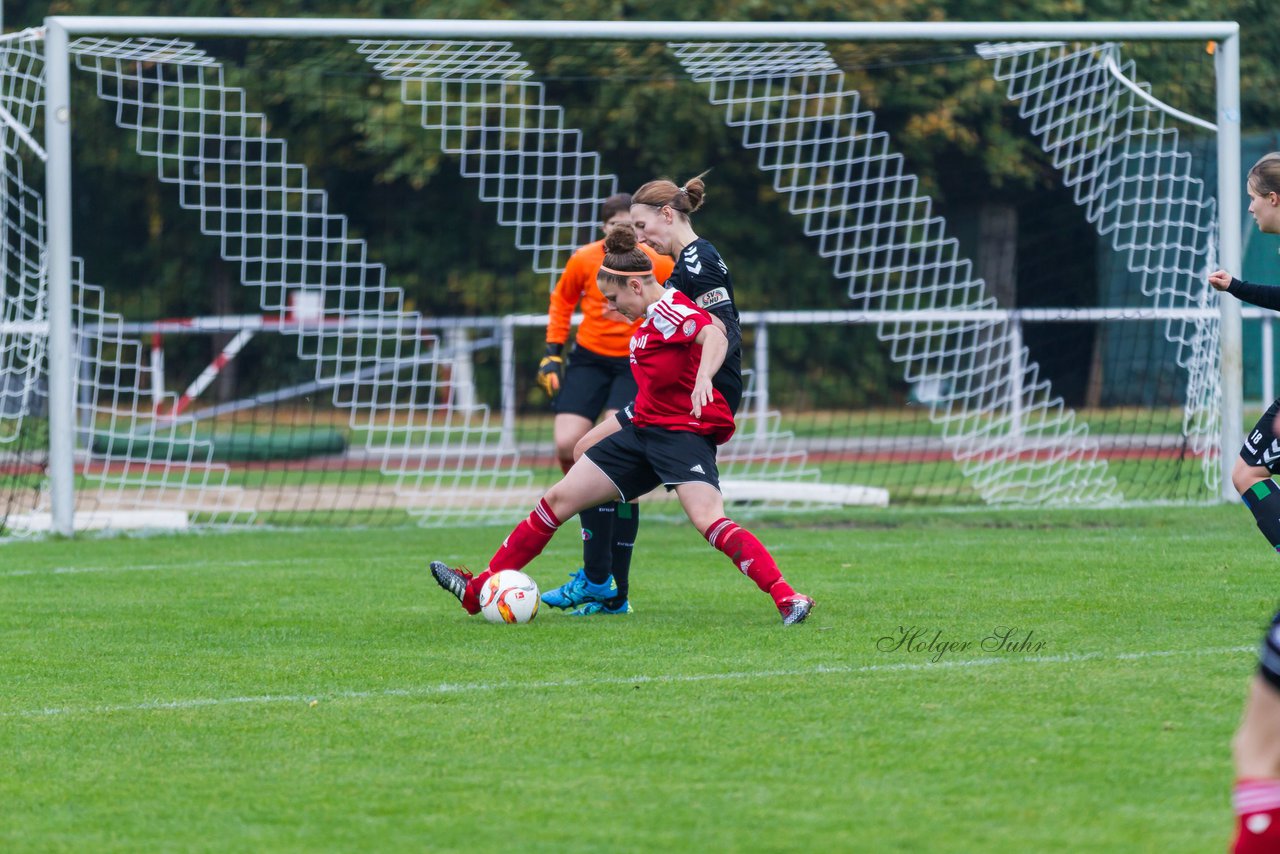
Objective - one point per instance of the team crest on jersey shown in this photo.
(690, 327)
(713, 297)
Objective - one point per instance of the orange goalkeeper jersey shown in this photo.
(602, 331)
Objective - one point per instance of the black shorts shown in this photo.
(1261, 447)
(637, 459)
(594, 383)
(1269, 654)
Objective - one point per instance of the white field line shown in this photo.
(448, 688)
(160, 567)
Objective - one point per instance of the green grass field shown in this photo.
(314, 690)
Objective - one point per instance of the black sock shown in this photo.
(625, 526)
(597, 541)
(1263, 500)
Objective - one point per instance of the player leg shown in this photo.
(584, 486)
(568, 429)
(1259, 457)
(626, 524)
(1256, 748)
(598, 434)
(614, 525)
(688, 462)
(587, 387)
(626, 514)
(620, 459)
(597, 522)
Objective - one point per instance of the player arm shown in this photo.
(1263, 296)
(564, 298)
(715, 345)
(709, 290)
(724, 319)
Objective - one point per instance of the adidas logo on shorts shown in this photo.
(698, 469)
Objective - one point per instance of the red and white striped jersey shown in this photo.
(664, 361)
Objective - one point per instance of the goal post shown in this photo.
(1229, 249)
(977, 408)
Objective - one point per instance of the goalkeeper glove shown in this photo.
(551, 370)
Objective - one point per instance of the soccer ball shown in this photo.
(509, 596)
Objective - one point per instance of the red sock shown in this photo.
(750, 557)
(525, 542)
(1257, 805)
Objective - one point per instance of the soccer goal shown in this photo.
(297, 270)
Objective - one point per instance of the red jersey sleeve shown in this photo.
(678, 319)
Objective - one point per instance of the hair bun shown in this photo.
(620, 240)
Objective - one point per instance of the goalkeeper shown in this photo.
(596, 382)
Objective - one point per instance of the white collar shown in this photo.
(667, 296)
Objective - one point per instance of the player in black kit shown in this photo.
(1256, 746)
(660, 215)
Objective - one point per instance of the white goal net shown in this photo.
(329, 347)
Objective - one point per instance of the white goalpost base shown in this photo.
(804, 493)
(102, 520)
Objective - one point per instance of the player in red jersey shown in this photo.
(1256, 746)
(596, 385)
(670, 439)
(660, 213)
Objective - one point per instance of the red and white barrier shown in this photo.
(209, 374)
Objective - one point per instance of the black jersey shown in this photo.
(701, 275)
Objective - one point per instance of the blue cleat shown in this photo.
(579, 591)
(600, 608)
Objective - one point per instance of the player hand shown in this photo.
(551, 370)
(701, 396)
(1220, 279)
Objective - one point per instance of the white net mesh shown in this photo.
(527, 161)
(1015, 440)
(445, 461)
(22, 271)
(1120, 154)
(547, 186)
(133, 461)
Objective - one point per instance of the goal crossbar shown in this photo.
(646, 30)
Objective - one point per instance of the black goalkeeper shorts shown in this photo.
(594, 383)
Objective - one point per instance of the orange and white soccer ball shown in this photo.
(509, 596)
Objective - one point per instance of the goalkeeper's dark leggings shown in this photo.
(609, 536)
